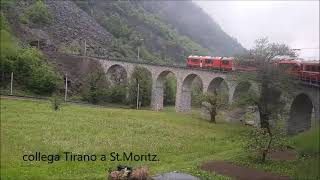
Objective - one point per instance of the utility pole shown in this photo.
(85, 48)
(138, 53)
(66, 89)
(11, 83)
(139, 39)
(138, 89)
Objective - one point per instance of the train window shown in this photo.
(208, 61)
(195, 60)
(308, 68)
(224, 62)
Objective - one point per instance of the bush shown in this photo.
(308, 142)
(39, 14)
(260, 143)
(44, 79)
(94, 88)
(143, 77)
(117, 93)
(72, 48)
(27, 65)
(169, 91)
(8, 51)
(56, 102)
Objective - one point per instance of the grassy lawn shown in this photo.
(181, 141)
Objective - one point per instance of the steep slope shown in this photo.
(70, 28)
(169, 29)
(190, 20)
(165, 31)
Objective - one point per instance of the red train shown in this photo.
(304, 70)
(219, 63)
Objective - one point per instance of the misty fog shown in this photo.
(295, 23)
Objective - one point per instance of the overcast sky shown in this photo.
(295, 23)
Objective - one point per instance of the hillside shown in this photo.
(170, 30)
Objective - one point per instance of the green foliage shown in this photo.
(56, 102)
(116, 25)
(246, 99)
(26, 64)
(308, 143)
(4, 24)
(120, 49)
(37, 13)
(7, 4)
(273, 83)
(128, 22)
(143, 77)
(44, 79)
(214, 102)
(73, 48)
(9, 50)
(169, 92)
(94, 88)
(117, 93)
(196, 92)
(260, 142)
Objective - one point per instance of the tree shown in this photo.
(215, 102)
(94, 89)
(169, 91)
(272, 82)
(143, 77)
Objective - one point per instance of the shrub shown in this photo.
(260, 142)
(94, 88)
(143, 77)
(27, 64)
(39, 14)
(117, 93)
(72, 48)
(43, 79)
(56, 102)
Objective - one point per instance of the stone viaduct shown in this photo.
(303, 105)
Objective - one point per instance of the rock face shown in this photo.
(70, 24)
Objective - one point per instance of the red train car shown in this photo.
(305, 70)
(195, 61)
(219, 63)
(310, 71)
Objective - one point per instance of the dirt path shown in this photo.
(239, 172)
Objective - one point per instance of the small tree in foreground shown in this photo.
(214, 102)
(273, 82)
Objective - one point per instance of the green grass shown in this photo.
(308, 143)
(181, 141)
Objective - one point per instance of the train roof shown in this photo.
(210, 57)
(310, 62)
